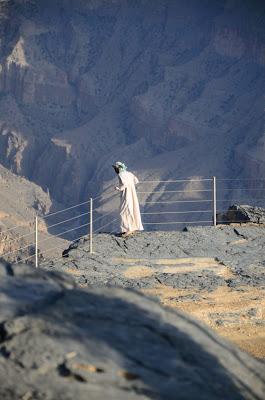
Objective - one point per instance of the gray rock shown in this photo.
(243, 214)
(239, 248)
(60, 342)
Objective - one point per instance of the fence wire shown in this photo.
(17, 250)
(24, 259)
(176, 222)
(65, 209)
(148, 204)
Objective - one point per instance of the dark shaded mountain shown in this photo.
(174, 88)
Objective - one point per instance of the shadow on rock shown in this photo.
(112, 343)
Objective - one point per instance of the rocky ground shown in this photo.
(58, 341)
(214, 274)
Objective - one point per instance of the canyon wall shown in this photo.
(173, 88)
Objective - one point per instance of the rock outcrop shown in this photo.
(242, 214)
(215, 274)
(61, 342)
(241, 248)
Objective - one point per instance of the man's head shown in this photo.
(119, 167)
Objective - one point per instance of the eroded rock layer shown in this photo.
(173, 88)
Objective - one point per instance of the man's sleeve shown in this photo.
(135, 180)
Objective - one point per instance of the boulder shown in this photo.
(58, 341)
(242, 214)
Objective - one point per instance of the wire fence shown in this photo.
(167, 205)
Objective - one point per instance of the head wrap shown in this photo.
(121, 166)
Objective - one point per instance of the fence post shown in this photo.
(91, 227)
(214, 201)
(36, 241)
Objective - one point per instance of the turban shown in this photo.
(121, 166)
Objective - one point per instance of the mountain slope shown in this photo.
(20, 202)
(85, 83)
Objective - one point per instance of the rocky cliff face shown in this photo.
(20, 201)
(174, 88)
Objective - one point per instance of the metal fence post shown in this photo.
(214, 200)
(36, 241)
(91, 227)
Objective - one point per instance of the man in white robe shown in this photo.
(129, 206)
